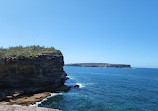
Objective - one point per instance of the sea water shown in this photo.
(108, 89)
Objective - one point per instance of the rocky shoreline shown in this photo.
(27, 100)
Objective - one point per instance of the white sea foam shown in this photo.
(52, 94)
(80, 85)
(71, 77)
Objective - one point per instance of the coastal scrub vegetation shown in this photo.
(28, 51)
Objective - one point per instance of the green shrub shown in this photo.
(29, 51)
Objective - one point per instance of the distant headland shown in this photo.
(105, 65)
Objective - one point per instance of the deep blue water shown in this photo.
(108, 89)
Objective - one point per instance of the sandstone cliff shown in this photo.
(29, 75)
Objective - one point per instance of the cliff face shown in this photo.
(31, 75)
(117, 66)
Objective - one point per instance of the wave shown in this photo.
(52, 95)
(80, 85)
(73, 82)
(70, 77)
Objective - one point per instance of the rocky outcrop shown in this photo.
(27, 100)
(26, 76)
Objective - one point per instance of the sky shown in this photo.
(101, 31)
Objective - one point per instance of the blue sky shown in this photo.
(110, 31)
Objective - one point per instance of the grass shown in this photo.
(29, 51)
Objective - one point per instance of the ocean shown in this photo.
(108, 89)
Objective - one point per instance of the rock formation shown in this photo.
(30, 75)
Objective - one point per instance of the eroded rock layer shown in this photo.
(43, 73)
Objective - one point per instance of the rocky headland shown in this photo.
(105, 65)
(30, 76)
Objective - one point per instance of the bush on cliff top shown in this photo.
(29, 51)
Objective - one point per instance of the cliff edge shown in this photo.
(36, 69)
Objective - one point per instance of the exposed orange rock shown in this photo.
(27, 100)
